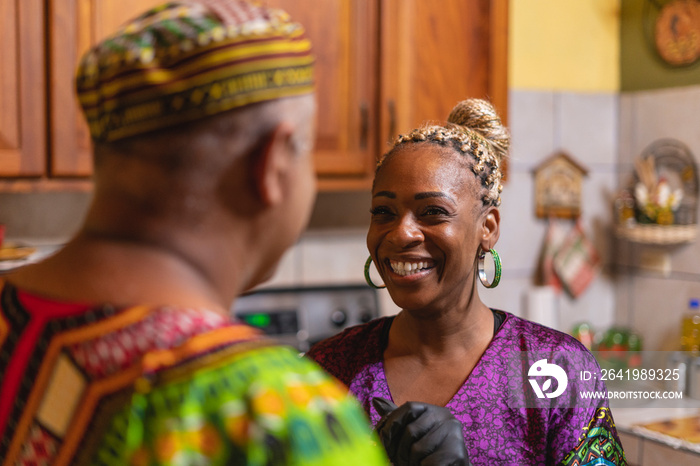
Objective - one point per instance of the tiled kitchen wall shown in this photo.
(49, 215)
(649, 299)
(584, 125)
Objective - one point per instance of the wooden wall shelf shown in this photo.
(657, 234)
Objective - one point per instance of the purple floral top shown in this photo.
(503, 420)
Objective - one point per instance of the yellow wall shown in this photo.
(564, 45)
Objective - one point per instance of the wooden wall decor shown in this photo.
(558, 186)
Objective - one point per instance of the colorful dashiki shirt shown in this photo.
(499, 427)
(158, 386)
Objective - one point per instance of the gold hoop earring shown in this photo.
(367, 277)
(482, 270)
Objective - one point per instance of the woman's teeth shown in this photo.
(407, 268)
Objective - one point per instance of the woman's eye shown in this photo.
(376, 211)
(434, 210)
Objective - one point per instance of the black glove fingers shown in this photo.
(413, 434)
(443, 447)
(416, 434)
(391, 427)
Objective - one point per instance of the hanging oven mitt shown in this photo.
(576, 262)
(420, 434)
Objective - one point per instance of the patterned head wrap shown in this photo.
(188, 59)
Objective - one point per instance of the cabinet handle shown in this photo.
(364, 125)
(391, 107)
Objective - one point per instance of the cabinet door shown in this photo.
(75, 26)
(344, 34)
(436, 53)
(22, 88)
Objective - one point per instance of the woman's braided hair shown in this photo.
(473, 128)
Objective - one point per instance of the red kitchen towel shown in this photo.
(576, 262)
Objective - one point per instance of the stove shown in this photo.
(302, 316)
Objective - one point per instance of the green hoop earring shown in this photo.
(367, 277)
(482, 270)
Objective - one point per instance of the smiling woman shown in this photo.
(447, 356)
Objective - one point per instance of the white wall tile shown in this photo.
(586, 127)
(531, 121)
(333, 257)
(508, 295)
(521, 233)
(288, 273)
(626, 146)
(596, 305)
(666, 113)
(658, 305)
(598, 197)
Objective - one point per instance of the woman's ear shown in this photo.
(272, 163)
(490, 228)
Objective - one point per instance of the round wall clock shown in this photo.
(677, 32)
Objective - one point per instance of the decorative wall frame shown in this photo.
(558, 186)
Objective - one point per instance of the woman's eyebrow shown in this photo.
(429, 194)
(389, 194)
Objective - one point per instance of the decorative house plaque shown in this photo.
(558, 186)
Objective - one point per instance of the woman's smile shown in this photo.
(411, 269)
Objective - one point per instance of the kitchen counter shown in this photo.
(42, 249)
(649, 440)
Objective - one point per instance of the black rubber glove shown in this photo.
(420, 434)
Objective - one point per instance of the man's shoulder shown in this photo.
(359, 339)
(342, 355)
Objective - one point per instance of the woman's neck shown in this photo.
(442, 336)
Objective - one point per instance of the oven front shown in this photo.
(303, 316)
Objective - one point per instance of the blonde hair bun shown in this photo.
(480, 116)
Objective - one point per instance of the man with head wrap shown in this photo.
(118, 349)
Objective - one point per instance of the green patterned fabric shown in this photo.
(266, 406)
(598, 445)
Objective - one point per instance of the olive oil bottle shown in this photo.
(690, 328)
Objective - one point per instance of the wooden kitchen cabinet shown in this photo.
(75, 26)
(435, 54)
(22, 88)
(386, 66)
(383, 67)
(344, 35)
(40, 44)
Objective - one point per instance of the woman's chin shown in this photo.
(409, 300)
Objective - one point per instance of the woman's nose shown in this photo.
(406, 232)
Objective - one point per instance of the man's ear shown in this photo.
(490, 228)
(272, 163)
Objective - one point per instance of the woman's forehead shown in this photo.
(423, 165)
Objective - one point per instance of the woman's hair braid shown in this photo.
(473, 128)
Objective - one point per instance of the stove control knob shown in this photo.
(365, 316)
(339, 317)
